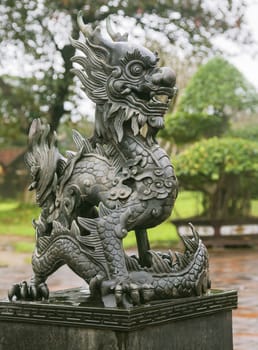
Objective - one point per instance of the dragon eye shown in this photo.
(136, 68)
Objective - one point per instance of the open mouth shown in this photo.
(164, 99)
(163, 96)
(155, 95)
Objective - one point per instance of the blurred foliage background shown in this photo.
(211, 130)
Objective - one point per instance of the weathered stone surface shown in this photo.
(22, 336)
(67, 323)
(211, 332)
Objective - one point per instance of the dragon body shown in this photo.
(117, 181)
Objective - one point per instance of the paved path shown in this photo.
(238, 269)
(230, 269)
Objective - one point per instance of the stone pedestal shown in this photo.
(71, 321)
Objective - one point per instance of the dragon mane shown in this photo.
(109, 72)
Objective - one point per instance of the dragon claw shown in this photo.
(25, 291)
(15, 291)
(128, 292)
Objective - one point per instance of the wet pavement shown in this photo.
(238, 269)
(230, 269)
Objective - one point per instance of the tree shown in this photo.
(248, 132)
(19, 106)
(214, 96)
(36, 33)
(225, 170)
(35, 51)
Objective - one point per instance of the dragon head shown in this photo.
(124, 81)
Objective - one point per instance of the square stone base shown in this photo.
(70, 322)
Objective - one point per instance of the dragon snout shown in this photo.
(164, 77)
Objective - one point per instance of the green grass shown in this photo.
(159, 236)
(254, 207)
(15, 219)
(188, 204)
(8, 205)
(24, 247)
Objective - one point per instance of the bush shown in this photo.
(225, 170)
(249, 132)
(183, 127)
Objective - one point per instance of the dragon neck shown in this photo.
(115, 121)
(117, 126)
(137, 149)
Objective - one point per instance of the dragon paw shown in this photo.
(25, 291)
(135, 289)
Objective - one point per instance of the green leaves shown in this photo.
(185, 127)
(218, 88)
(38, 32)
(214, 95)
(224, 169)
(217, 156)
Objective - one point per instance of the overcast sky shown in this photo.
(245, 61)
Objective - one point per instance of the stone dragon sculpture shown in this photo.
(117, 181)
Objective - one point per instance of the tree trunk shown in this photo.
(226, 201)
(57, 109)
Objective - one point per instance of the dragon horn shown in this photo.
(85, 29)
(113, 35)
(93, 35)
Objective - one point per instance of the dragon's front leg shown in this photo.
(45, 261)
(37, 288)
(63, 246)
(125, 288)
